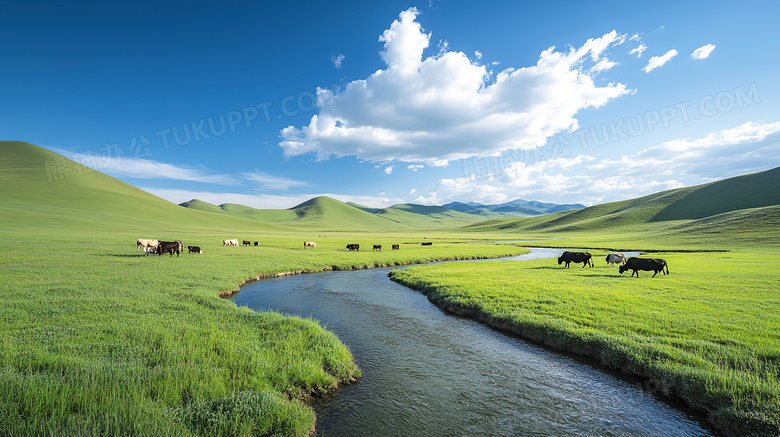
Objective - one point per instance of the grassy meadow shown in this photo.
(708, 333)
(98, 339)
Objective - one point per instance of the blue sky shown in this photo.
(268, 104)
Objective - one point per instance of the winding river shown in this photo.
(429, 373)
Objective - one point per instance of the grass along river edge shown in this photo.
(707, 337)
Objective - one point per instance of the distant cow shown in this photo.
(311, 244)
(648, 264)
(169, 247)
(378, 247)
(145, 244)
(351, 247)
(233, 242)
(181, 245)
(257, 243)
(428, 244)
(575, 257)
(616, 258)
(396, 247)
(194, 249)
(246, 243)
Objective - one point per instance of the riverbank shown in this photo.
(98, 339)
(707, 337)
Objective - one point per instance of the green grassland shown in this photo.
(708, 333)
(98, 339)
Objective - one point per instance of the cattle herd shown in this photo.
(634, 264)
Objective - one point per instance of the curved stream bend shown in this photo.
(429, 373)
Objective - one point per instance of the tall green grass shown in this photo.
(708, 333)
(98, 339)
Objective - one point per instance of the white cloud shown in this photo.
(389, 169)
(415, 167)
(122, 166)
(445, 107)
(657, 61)
(703, 52)
(337, 60)
(742, 149)
(267, 181)
(264, 201)
(638, 50)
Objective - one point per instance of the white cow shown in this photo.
(616, 258)
(311, 244)
(233, 242)
(146, 245)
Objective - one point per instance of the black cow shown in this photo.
(194, 249)
(246, 243)
(378, 247)
(169, 247)
(352, 247)
(396, 247)
(257, 243)
(648, 264)
(427, 244)
(575, 257)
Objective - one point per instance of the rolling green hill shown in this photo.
(62, 194)
(740, 202)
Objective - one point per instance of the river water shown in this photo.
(427, 373)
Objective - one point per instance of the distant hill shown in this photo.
(706, 201)
(44, 189)
(515, 207)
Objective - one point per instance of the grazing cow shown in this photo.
(169, 247)
(428, 244)
(616, 258)
(246, 243)
(150, 249)
(351, 247)
(378, 247)
(145, 244)
(648, 264)
(194, 249)
(311, 244)
(257, 243)
(575, 257)
(233, 242)
(396, 247)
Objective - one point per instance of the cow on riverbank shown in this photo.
(616, 258)
(647, 264)
(575, 257)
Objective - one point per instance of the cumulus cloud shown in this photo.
(703, 52)
(657, 61)
(389, 169)
(742, 149)
(445, 107)
(415, 167)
